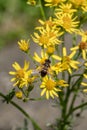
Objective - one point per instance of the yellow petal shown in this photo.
(36, 57)
(84, 54)
(16, 66)
(47, 94)
(43, 91)
(84, 84)
(51, 94)
(56, 57)
(85, 90)
(74, 48)
(64, 51)
(85, 75)
(72, 54)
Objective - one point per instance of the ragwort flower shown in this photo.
(19, 94)
(49, 87)
(65, 9)
(47, 36)
(21, 74)
(79, 3)
(67, 21)
(50, 50)
(67, 61)
(48, 22)
(24, 45)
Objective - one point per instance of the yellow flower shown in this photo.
(67, 61)
(65, 9)
(23, 45)
(82, 46)
(79, 3)
(48, 22)
(58, 67)
(47, 36)
(45, 64)
(48, 86)
(28, 79)
(50, 50)
(53, 2)
(20, 74)
(41, 59)
(67, 21)
(31, 2)
(19, 95)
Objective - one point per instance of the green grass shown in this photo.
(17, 20)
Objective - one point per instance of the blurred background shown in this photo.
(17, 21)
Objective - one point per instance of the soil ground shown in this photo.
(42, 111)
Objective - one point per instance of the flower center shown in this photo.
(20, 73)
(50, 84)
(66, 10)
(44, 40)
(66, 59)
(83, 45)
(50, 50)
(49, 23)
(67, 22)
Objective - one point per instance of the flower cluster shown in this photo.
(55, 59)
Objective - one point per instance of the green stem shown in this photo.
(63, 121)
(42, 10)
(77, 84)
(67, 92)
(77, 81)
(80, 106)
(77, 55)
(74, 40)
(76, 108)
(23, 112)
(75, 75)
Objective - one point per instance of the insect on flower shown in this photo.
(44, 68)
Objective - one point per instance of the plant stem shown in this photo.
(76, 89)
(42, 10)
(80, 106)
(74, 39)
(76, 108)
(64, 122)
(36, 127)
